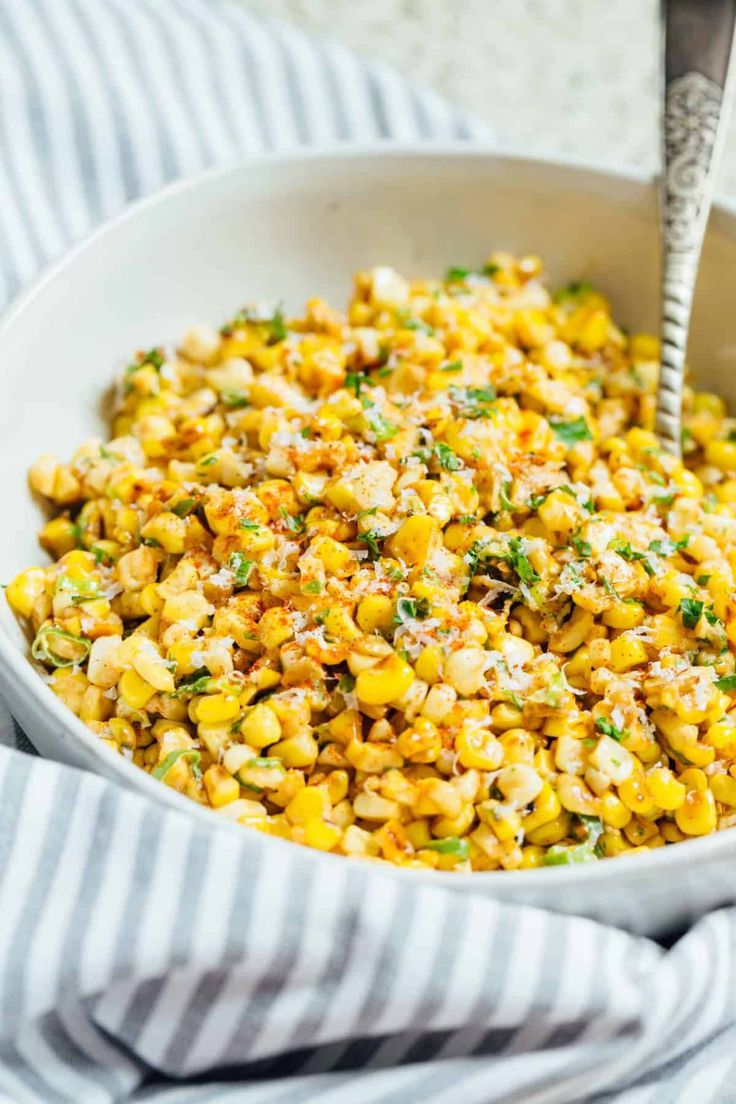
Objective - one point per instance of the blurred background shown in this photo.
(572, 76)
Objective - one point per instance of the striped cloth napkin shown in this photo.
(145, 957)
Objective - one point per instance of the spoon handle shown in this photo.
(698, 46)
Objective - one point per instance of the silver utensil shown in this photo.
(698, 39)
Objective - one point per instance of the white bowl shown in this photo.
(294, 226)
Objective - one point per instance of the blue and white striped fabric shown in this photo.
(146, 957)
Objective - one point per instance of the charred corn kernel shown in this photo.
(520, 784)
(627, 652)
(25, 590)
(575, 631)
(373, 758)
(546, 808)
(385, 682)
(665, 789)
(221, 787)
(135, 690)
(504, 820)
(697, 815)
(420, 743)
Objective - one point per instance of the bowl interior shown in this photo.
(287, 229)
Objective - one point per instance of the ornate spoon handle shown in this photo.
(698, 47)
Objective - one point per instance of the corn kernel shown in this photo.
(385, 682)
(697, 815)
(627, 652)
(221, 787)
(25, 590)
(135, 690)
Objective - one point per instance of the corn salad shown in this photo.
(411, 583)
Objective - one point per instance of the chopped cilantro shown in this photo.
(608, 728)
(409, 608)
(383, 429)
(583, 547)
(571, 432)
(354, 382)
(246, 523)
(371, 537)
(242, 568)
(277, 327)
(513, 555)
(316, 586)
(101, 555)
(691, 610)
(456, 274)
(234, 398)
(346, 685)
(196, 683)
(668, 547)
(183, 507)
(446, 458)
(503, 496)
(578, 289)
(416, 324)
(727, 683)
(293, 522)
(454, 366)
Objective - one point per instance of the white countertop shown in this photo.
(571, 76)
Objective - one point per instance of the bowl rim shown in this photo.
(20, 670)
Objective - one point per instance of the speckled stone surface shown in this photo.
(570, 76)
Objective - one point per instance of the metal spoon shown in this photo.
(698, 39)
